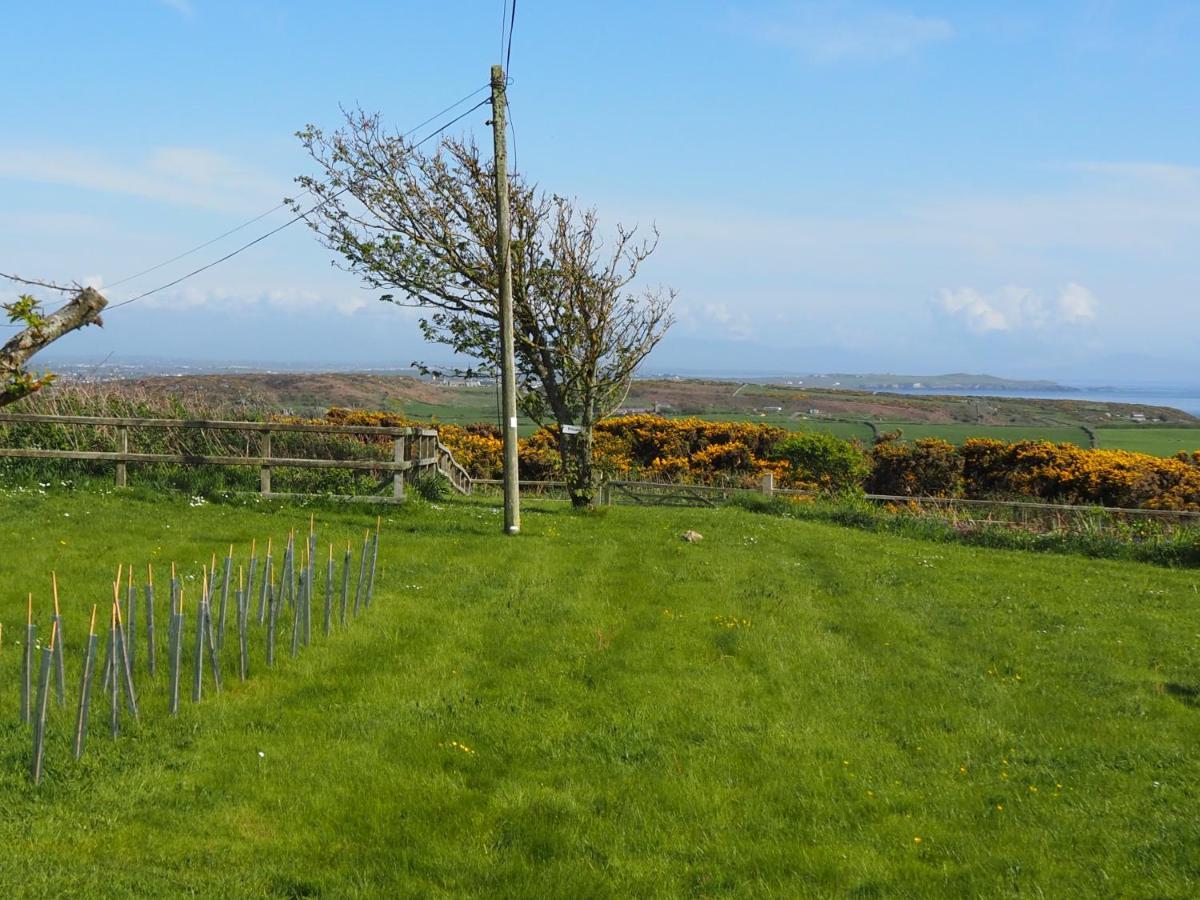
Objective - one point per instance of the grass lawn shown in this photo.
(596, 708)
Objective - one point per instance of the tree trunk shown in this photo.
(578, 470)
(83, 309)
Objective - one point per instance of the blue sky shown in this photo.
(1004, 187)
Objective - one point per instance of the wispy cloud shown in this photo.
(183, 7)
(184, 176)
(830, 32)
(287, 299)
(1015, 308)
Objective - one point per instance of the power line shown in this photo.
(512, 19)
(199, 247)
(301, 215)
(280, 206)
(503, 24)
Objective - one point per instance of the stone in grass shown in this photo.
(692, 537)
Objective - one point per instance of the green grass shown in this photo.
(1152, 440)
(1031, 718)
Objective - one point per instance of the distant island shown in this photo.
(956, 381)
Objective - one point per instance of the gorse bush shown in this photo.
(824, 461)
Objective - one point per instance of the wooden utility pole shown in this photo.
(508, 378)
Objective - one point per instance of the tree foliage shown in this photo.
(421, 228)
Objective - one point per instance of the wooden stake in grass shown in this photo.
(85, 691)
(114, 689)
(123, 668)
(272, 603)
(27, 663)
(251, 571)
(130, 620)
(151, 661)
(312, 562)
(198, 657)
(39, 721)
(243, 606)
(306, 578)
(59, 668)
(224, 599)
(374, 559)
(362, 572)
(175, 658)
(297, 616)
(328, 592)
(345, 584)
(266, 584)
(289, 559)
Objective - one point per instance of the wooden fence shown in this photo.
(414, 450)
(662, 493)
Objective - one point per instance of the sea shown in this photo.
(1176, 396)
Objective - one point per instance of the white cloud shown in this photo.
(735, 324)
(229, 300)
(183, 176)
(183, 7)
(835, 32)
(1015, 308)
(1076, 304)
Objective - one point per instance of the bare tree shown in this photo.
(422, 226)
(40, 330)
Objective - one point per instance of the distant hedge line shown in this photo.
(690, 450)
(693, 450)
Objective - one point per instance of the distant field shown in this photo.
(1156, 441)
(956, 434)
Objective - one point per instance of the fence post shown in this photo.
(264, 471)
(768, 483)
(122, 447)
(606, 494)
(398, 475)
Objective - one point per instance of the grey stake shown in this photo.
(198, 658)
(243, 650)
(27, 675)
(123, 667)
(213, 660)
(271, 604)
(371, 576)
(175, 661)
(85, 691)
(328, 592)
(224, 599)
(266, 583)
(362, 574)
(131, 622)
(39, 719)
(345, 584)
(114, 689)
(151, 655)
(296, 615)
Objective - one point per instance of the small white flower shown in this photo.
(261, 755)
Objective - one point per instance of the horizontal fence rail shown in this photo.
(414, 450)
(672, 493)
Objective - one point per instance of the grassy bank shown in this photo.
(596, 708)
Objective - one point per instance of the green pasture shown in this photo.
(1156, 441)
(957, 434)
(598, 709)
